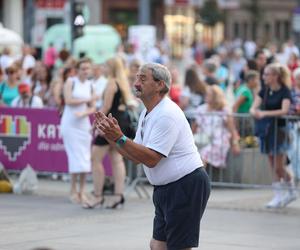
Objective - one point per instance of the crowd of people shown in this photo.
(264, 80)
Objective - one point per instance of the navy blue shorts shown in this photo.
(179, 207)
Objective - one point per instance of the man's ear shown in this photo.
(161, 85)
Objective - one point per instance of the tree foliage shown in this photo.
(210, 13)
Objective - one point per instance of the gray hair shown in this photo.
(159, 73)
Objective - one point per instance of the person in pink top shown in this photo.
(50, 57)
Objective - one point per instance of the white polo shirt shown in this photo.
(166, 130)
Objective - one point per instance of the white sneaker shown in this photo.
(288, 198)
(276, 202)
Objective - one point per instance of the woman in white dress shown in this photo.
(76, 127)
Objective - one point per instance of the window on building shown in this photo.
(277, 30)
(254, 31)
(245, 30)
(287, 30)
(236, 30)
(53, 20)
(1, 11)
(267, 31)
(267, 28)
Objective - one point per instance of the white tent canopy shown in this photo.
(10, 39)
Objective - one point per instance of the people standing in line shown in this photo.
(272, 102)
(165, 146)
(76, 127)
(9, 87)
(116, 96)
(26, 99)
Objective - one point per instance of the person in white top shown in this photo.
(165, 146)
(26, 99)
(28, 59)
(76, 127)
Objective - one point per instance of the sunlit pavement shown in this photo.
(235, 220)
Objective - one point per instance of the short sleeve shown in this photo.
(287, 94)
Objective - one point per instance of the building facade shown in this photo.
(179, 21)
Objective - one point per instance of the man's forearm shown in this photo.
(123, 152)
(141, 154)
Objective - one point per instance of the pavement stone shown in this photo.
(235, 219)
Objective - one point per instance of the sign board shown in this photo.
(32, 136)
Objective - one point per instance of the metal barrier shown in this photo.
(250, 168)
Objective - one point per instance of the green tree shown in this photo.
(210, 13)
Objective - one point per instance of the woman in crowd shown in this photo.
(41, 83)
(76, 127)
(116, 96)
(213, 119)
(9, 87)
(271, 102)
(58, 86)
(193, 93)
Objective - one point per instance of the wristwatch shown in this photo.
(121, 141)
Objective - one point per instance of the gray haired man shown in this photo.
(165, 146)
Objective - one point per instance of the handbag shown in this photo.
(262, 126)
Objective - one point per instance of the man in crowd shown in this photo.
(165, 146)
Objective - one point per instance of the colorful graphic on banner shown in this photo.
(32, 136)
(15, 134)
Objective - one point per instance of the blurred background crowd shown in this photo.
(219, 63)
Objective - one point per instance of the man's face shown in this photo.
(145, 86)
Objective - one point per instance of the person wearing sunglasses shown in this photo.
(9, 88)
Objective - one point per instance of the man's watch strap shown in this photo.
(121, 141)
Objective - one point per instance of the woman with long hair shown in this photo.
(270, 103)
(116, 96)
(193, 93)
(76, 127)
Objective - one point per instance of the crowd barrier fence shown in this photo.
(32, 136)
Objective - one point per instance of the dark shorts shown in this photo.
(275, 142)
(179, 207)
